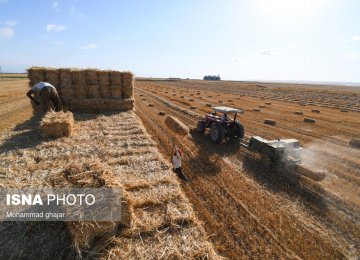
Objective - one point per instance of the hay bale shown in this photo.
(262, 106)
(268, 103)
(93, 91)
(57, 124)
(161, 113)
(104, 77)
(128, 85)
(79, 91)
(65, 77)
(354, 142)
(115, 78)
(36, 74)
(66, 91)
(309, 120)
(298, 113)
(315, 111)
(176, 125)
(52, 76)
(92, 175)
(113, 105)
(91, 77)
(269, 122)
(93, 105)
(230, 100)
(105, 91)
(78, 77)
(115, 91)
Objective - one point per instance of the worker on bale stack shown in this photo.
(47, 93)
(177, 164)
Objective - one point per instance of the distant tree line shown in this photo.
(211, 77)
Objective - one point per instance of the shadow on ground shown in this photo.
(27, 135)
(282, 181)
(35, 240)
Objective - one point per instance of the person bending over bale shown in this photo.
(46, 93)
(177, 164)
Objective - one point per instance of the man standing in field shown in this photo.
(177, 164)
(46, 92)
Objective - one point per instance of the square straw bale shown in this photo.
(128, 84)
(36, 74)
(104, 77)
(65, 77)
(92, 77)
(57, 124)
(116, 91)
(80, 91)
(93, 91)
(118, 104)
(78, 77)
(115, 78)
(52, 77)
(104, 91)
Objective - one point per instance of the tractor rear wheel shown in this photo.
(201, 127)
(240, 131)
(217, 133)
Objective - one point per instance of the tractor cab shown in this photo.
(221, 114)
(221, 125)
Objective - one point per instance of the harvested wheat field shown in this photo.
(235, 205)
(250, 209)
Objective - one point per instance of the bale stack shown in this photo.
(92, 175)
(88, 90)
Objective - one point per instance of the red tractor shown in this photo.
(222, 126)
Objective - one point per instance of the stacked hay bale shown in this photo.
(88, 90)
(92, 175)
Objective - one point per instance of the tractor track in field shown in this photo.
(310, 189)
(233, 167)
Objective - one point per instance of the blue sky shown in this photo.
(316, 40)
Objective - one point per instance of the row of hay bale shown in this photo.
(88, 90)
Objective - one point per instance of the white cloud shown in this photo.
(295, 45)
(351, 56)
(269, 53)
(356, 38)
(11, 23)
(55, 28)
(88, 46)
(55, 6)
(6, 33)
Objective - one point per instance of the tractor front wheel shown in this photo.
(217, 133)
(201, 127)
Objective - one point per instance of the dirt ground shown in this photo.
(249, 209)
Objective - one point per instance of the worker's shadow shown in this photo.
(288, 183)
(24, 135)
